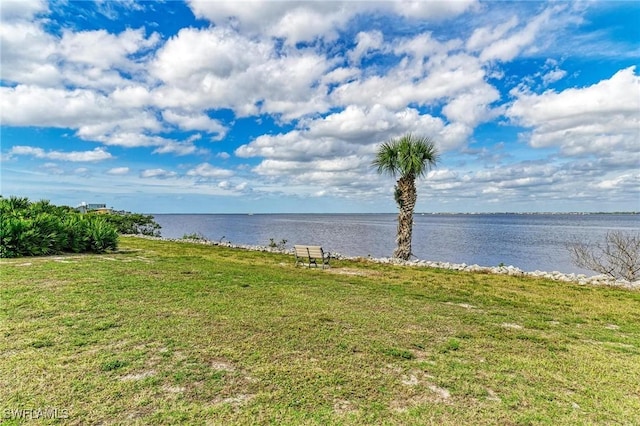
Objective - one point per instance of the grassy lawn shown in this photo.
(177, 333)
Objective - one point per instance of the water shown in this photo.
(529, 242)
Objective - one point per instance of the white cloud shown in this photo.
(331, 165)
(26, 48)
(431, 72)
(305, 23)
(298, 21)
(178, 148)
(104, 50)
(206, 170)
(157, 173)
(98, 154)
(83, 171)
(366, 42)
(369, 126)
(484, 36)
(292, 20)
(130, 96)
(286, 146)
(506, 48)
(431, 9)
(91, 113)
(626, 180)
(87, 59)
(12, 10)
(118, 171)
(599, 119)
(553, 76)
(472, 107)
(195, 122)
(217, 68)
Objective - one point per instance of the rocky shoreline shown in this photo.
(602, 280)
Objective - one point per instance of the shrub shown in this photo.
(36, 229)
(76, 227)
(194, 236)
(133, 223)
(102, 235)
(618, 256)
(280, 246)
(13, 233)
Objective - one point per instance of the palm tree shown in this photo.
(409, 157)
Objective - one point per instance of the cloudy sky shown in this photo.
(279, 106)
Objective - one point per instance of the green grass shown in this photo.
(181, 333)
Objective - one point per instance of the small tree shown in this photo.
(408, 157)
(618, 257)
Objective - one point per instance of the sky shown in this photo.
(210, 106)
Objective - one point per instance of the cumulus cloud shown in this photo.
(104, 50)
(484, 36)
(196, 121)
(13, 10)
(216, 68)
(29, 105)
(598, 119)
(26, 48)
(118, 171)
(300, 21)
(206, 170)
(98, 154)
(553, 76)
(157, 174)
(87, 59)
(507, 48)
(366, 42)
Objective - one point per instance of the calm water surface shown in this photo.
(530, 242)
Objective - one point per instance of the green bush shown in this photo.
(76, 227)
(40, 228)
(102, 235)
(133, 223)
(13, 235)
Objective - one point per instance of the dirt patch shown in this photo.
(410, 380)
(511, 325)
(462, 305)
(402, 405)
(138, 376)
(234, 401)
(173, 389)
(442, 394)
(353, 272)
(342, 406)
(493, 396)
(222, 365)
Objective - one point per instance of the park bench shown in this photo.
(311, 255)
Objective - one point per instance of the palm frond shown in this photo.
(408, 155)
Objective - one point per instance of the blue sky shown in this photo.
(279, 106)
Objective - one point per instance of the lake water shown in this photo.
(527, 241)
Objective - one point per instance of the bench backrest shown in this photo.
(310, 251)
(315, 252)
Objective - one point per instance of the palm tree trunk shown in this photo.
(406, 196)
